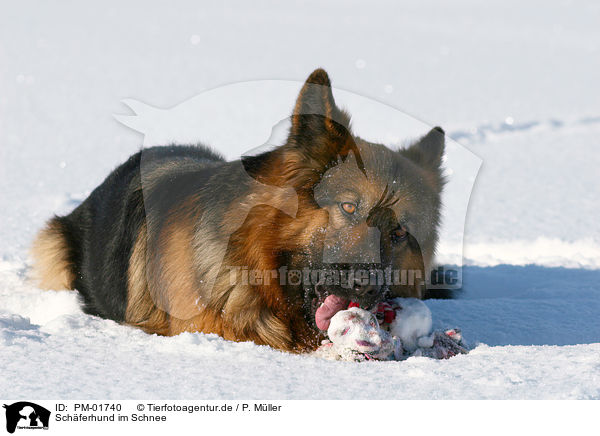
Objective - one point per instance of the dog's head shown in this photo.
(368, 215)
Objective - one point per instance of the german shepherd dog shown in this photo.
(174, 238)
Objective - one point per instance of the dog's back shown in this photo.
(90, 248)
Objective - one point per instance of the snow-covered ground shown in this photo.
(514, 83)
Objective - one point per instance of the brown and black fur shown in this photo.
(151, 246)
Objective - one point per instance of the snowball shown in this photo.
(412, 322)
(356, 329)
(355, 334)
(425, 341)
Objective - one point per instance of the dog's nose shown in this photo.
(368, 290)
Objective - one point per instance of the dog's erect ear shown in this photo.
(316, 113)
(319, 135)
(427, 152)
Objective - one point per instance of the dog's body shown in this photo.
(155, 244)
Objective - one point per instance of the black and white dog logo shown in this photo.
(26, 415)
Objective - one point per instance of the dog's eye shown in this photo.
(399, 234)
(349, 208)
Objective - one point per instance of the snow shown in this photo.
(513, 83)
(412, 322)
